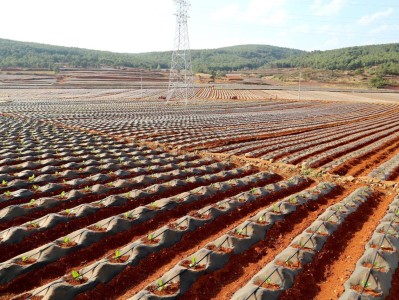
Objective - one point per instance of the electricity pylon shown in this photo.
(181, 79)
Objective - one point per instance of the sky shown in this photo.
(133, 26)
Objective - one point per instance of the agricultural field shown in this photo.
(242, 194)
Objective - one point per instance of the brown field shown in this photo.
(241, 194)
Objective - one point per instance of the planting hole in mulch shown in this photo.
(75, 281)
(289, 264)
(219, 249)
(25, 261)
(199, 216)
(119, 260)
(375, 267)
(168, 289)
(267, 285)
(32, 226)
(174, 226)
(389, 249)
(68, 244)
(359, 289)
(190, 265)
(238, 235)
(97, 228)
(317, 232)
(150, 241)
(297, 246)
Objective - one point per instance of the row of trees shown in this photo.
(386, 57)
(32, 55)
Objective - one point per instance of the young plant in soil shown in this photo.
(4, 183)
(239, 233)
(162, 289)
(128, 216)
(150, 240)
(32, 225)
(262, 220)
(31, 178)
(75, 278)
(267, 284)
(276, 209)
(32, 203)
(289, 264)
(375, 266)
(67, 243)
(192, 264)
(25, 260)
(118, 258)
(97, 228)
(364, 287)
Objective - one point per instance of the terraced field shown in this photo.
(111, 194)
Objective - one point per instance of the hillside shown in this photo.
(386, 57)
(33, 55)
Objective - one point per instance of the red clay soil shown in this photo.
(241, 268)
(362, 165)
(394, 292)
(333, 265)
(87, 255)
(156, 264)
(63, 229)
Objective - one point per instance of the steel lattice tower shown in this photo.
(181, 74)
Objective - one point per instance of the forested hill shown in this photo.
(33, 55)
(385, 56)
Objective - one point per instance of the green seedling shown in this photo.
(24, 258)
(68, 211)
(154, 205)
(76, 275)
(35, 187)
(7, 194)
(62, 195)
(365, 284)
(66, 240)
(253, 190)
(87, 188)
(193, 262)
(32, 202)
(31, 178)
(293, 200)
(238, 231)
(276, 209)
(4, 183)
(33, 224)
(268, 279)
(110, 184)
(160, 285)
(150, 237)
(262, 219)
(117, 254)
(128, 194)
